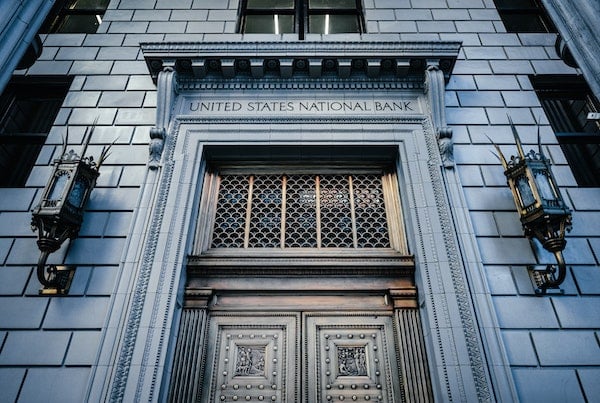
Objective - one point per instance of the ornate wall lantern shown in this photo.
(544, 214)
(59, 215)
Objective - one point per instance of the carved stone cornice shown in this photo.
(342, 60)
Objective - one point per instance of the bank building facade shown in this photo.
(299, 201)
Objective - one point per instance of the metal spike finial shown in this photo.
(516, 136)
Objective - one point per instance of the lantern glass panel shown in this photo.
(76, 197)
(544, 186)
(58, 186)
(525, 192)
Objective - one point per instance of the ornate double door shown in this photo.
(326, 349)
(293, 357)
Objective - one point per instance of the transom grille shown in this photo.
(300, 211)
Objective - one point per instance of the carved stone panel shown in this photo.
(351, 358)
(252, 358)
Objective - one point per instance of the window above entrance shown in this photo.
(302, 210)
(301, 16)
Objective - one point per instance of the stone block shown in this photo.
(10, 383)
(450, 14)
(118, 53)
(152, 15)
(392, 4)
(436, 26)
(87, 116)
(53, 382)
(547, 385)
(470, 175)
(402, 14)
(493, 175)
(475, 26)
(64, 40)
(136, 39)
(129, 67)
(508, 223)
(50, 67)
(82, 99)
(76, 313)
(166, 27)
(582, 198)
(141, 83)
(83, 348)
(118, 224)
(467, 39)
(78, 53)
(129, 27)
(222, 15)
(484, 224)
(188, 15)
(500, 280)
(136, 116)
(137, 4)
(122, 99)
(480, 98)
(132, 176)
(118, 15)
(477, 14)
(582, 313)
(511, 67)
(16, 199)
(458, 82)
(489, 199)
(34, 348)
(397, 26)
(103, 280)
(109, 176)
(472, 67)
(104, 40)
(15, 224)
(112, 82)
(587, 279)
(173, 4)
(5, 245)
(466, 116)
(465, 4)
(91, 67)
(518, 115)
(205, 27)
(94, 224)
(506, 251)
(92, 251)
(520, 98)
(484, 53)
(13, 279)
(566, 348)
(525, 312)
(589, 382)
(429, 4)
(499, 39)
(31, 312)
(519, 348)
(495, 82)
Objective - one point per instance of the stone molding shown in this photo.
(342, 60)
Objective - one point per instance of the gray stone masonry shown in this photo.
(52, 344)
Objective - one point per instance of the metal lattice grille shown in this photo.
(300, 211)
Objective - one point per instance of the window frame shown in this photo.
(60, 12)
(537, 10)
(580, 143)
(302, 12)
(28, 144)
(208, 207)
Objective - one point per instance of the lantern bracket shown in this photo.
(55, 279)
(549, 278)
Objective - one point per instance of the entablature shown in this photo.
(341, 60)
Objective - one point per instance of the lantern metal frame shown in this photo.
(543, 212)
(59, 214)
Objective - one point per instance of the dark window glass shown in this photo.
(75, 16)
(524, 16)
(301, 16)
(567, 102)
(28, 107)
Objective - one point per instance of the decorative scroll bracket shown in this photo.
(435, 89)
(165, 95)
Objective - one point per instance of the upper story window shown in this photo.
(28, 107)
(290, 208)
(568, 102)
(301, 16)
(524, 16)
(75, 16)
